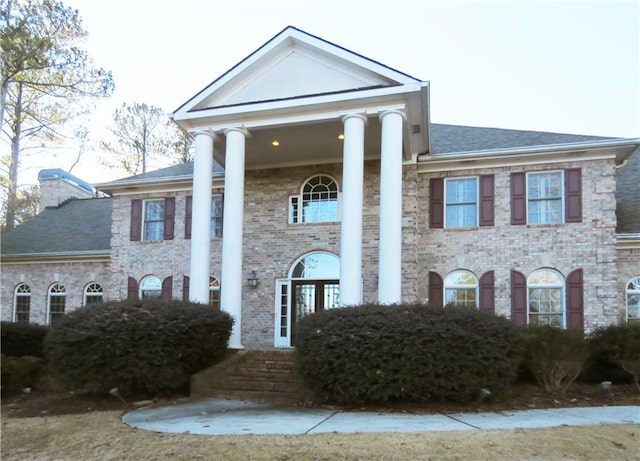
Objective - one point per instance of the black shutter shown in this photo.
(169, 217)
(575, 300)
(185, 288)
(518, 198)
(187, 217)
(132, 289)
(436, 203)
(487, 292)
(518, 298)
(436, 289)
(135, 231)
(487, 200)
(573, 195)
(167, 289)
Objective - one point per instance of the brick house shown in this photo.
(319, 181)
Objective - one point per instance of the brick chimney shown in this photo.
(57, 186)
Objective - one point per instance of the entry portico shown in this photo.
(299, 100)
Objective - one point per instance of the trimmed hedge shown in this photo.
(555, 357)
(619, 344)
(18, 373)
(21, 339)
(377, 353)
(141, 347)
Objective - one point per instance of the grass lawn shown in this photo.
(100, 435)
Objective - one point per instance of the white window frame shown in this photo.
(142, 288)
(632, 288)
(56, 291)
(561, 286)
(22, 290)
(145, 203)
(452, 286)
(477, 201)
(296, 203)
(94, 290)
(561, 198)
(215, 218)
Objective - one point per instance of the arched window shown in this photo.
(461, 289)
(150, 287)
(57, 302)
(214, 292)
(633, 300)
(317, 265)
(93, 294)
(22, 303)
(317, 202)
(545, 289)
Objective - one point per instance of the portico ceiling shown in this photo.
(304, 143)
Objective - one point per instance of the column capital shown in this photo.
(384, 112)
(203, 131)
(238, 129)
(359, 115)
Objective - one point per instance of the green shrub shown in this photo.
(20, 339)
(620, 344)
(555, 357)
(142, 347)
(20, 372)
(378, 353)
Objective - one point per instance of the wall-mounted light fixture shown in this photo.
(252, 280)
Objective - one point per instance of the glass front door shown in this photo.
(311, 296)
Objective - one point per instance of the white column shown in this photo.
(352, 202)
(231, 283)
(390, 243)
(199, 269)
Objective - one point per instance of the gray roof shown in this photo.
(628, 195)
(77, 225)
(447, 139)
(84, 225)
(175, 171)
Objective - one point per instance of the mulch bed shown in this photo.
(519, 397)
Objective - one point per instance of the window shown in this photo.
(545, 298)
(216, 216)
(466, 202)
(22, 303)
(461, 205)
(318, 201)
(153, 224)
(152, 220)
(150, 287)
(214, 292)
(633, 300)
(217, 207)
(545, 198)
(93, 294)
(57, 302)
(461, 289)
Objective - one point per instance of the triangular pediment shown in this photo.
(294, 64)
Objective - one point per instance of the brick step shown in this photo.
(252, 375)
(287, 398)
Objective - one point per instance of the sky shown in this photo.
(569, 67)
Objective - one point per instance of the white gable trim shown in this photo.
(279, 47)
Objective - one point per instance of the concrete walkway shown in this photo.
(232, 417)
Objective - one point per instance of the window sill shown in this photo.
(551, 225)
(328, 223)
(463, 229)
